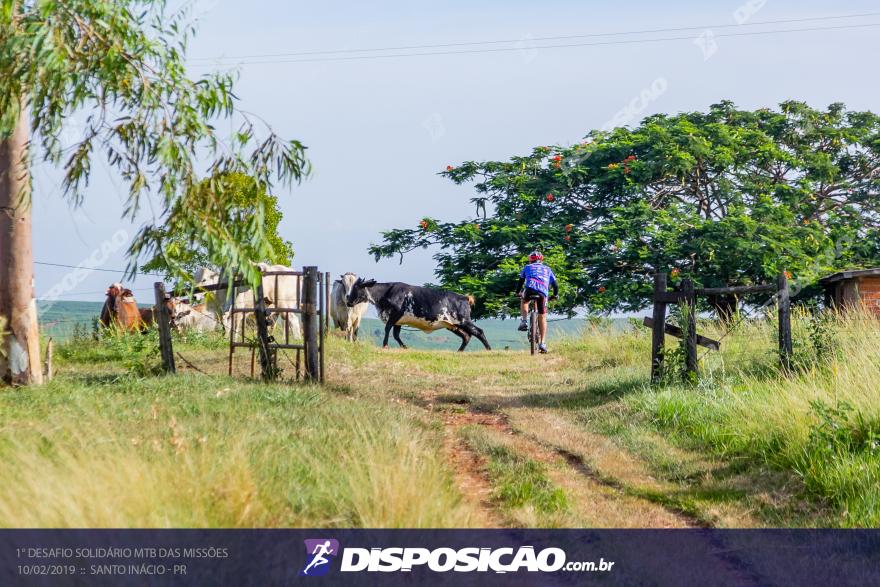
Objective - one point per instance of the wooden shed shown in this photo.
(853, 289)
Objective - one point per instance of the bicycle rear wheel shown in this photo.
(533, 331)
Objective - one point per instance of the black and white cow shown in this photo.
(425, 308)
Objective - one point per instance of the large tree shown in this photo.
(726, 197)
(120, 64)
(185, 246)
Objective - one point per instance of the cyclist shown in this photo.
(537, 279)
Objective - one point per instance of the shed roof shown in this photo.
(841, 275)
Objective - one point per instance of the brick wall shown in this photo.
(869, 291)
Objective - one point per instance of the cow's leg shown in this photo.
(388, 326)
(464, 336)
(478, 332)
(397, 336)
(392, 324)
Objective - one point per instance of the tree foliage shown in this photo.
(121, 65)
(189, 247)
(725, 197)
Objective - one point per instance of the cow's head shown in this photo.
(113, 294)
(204, 276)
(177, 308)
(347, 280)
(360, 292)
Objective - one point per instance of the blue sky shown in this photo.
(379, 130)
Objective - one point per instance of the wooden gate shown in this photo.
(312, 304)
(310, 308)
(687, 294)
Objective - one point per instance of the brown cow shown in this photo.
(108, 312)
(121, 310)
(148, 315)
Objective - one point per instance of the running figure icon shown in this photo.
(321, 551)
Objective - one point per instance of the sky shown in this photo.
(379, 130)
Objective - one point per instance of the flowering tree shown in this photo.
(725, 197)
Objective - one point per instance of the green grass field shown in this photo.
(434, 438)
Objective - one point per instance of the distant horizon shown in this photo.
(379, 130)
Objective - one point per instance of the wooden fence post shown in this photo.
(326, 304)
(784, 307)
(311, 327)
(267, 366)
(324, 313)
(690, 359)
(163, 321)
(49, 370)
(658, 334)
(310, 323)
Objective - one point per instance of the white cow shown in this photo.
(188, 317)
(282, 291)
(346, 319)
(278, 291)
(219, 302)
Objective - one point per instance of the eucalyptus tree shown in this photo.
(120, 65)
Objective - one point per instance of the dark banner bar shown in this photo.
(440, 557)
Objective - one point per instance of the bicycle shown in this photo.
(532, 331)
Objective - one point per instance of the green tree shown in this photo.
(186, 246)
(725, 197)
(121, 64)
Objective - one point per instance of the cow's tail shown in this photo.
(471, 300)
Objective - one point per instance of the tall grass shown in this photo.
(91, 451)
(820, 421)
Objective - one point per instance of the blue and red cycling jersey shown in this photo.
(538, 277)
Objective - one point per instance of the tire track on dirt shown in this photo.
(605, 495)
(597, 503)
(469, 470)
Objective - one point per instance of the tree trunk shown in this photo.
(20, 356)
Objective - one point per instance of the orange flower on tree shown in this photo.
(675, 272)
(601, 289)
(568, 227)
(449, 168)
(787, 274)
(550, 197)
(424, 224)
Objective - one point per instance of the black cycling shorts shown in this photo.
(540, 299)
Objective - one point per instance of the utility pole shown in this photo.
(20, 359)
